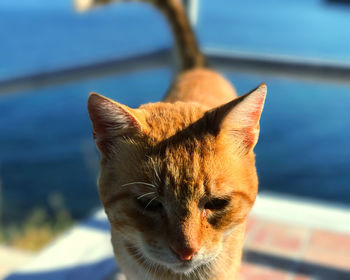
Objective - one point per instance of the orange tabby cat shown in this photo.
(178, 177)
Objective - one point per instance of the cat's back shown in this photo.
(203, 86)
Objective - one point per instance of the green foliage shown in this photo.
(39, 227)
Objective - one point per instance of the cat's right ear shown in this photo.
(240, 118)
(110, 120)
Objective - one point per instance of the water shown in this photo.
(45, 136)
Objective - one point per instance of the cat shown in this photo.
(178, 178)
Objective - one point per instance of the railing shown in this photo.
(280, 66)
(82, 72)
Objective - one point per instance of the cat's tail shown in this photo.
(186, 43)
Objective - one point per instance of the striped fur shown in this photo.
(178, 177)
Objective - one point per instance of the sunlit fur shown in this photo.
(163, 164)
(180, 155)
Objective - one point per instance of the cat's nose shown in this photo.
(184, 254)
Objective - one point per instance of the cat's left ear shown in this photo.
(240, 117)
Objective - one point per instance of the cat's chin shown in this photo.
(183, 268)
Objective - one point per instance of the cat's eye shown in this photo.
(150, 204)
(216, 204)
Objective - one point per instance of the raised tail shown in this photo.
(186, 44)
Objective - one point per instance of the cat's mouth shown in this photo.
(181, 267)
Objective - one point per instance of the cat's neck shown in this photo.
(202, 86)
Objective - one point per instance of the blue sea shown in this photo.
(46, 146)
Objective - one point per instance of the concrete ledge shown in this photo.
(83, 252)
(300, 211)
(11, 258)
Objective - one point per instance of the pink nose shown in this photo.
(184, 254)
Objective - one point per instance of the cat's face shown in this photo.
(178, 180)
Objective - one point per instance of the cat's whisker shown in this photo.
(154, 168)
(150, 202)
(145, 194)
(150, 266)
(157, 175)
(147, 263)
(155, 171)
(139, 183)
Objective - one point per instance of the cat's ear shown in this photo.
(240, 117)
(110, 120)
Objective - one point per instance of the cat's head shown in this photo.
(176, 179)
